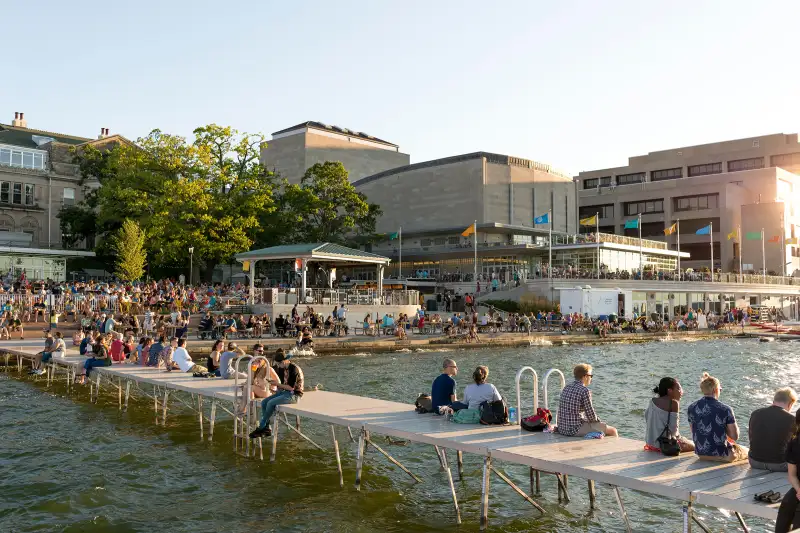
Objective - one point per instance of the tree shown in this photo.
(130, 255)
(325, 207)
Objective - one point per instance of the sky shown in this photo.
(580, 85)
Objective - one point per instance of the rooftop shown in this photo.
(23, 137)
(318, 251)
(334, 129)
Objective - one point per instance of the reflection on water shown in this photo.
(67, 465)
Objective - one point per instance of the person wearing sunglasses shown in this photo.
(443, 390)
(576, 415)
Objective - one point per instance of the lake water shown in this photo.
(69, 466)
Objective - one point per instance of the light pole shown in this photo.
(191, 257)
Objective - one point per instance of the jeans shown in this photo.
(788, 517)
(457, 406)
(772, 467)
(92, 362)
(269, 404)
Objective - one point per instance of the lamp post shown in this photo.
(191, 258)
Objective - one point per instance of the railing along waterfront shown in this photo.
(337, 296)
(61, 302)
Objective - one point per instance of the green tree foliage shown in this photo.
(129, 252)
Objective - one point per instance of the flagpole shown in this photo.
(741, 248)
(597, 238)
(783, 246)
(679, 249)
(550, 244)
(400, 262)
(641, 257)
(711, 241)
(763, 259)
(475, 240)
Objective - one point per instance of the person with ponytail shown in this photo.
(664, 412)
(714, 427)
(480, 391)
(788, 515)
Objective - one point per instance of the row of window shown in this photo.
(644, 206)
(684, 203)
(22, 158)
(605, 211)
(696, 202)
(25, 194)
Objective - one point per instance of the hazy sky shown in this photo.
(578, 84)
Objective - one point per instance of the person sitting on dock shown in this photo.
(714, 427)
(43, 356)
(290, 390)
(184, 361)
(770, 430)
(155, 351)
(100, 357)
(477, 393)
(576, 415)
(663, 414)
(443, 390)
(789, 513)
(226, 361)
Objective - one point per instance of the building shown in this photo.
(293, 150)
(38, 179)
(703, 185)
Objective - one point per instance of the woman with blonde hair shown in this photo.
(714, 427)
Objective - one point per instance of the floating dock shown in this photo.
(620, 463)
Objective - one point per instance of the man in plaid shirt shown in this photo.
(576, 416)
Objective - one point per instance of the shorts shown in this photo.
(46, 356)
(589, 427)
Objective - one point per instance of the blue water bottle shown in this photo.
(512, 415)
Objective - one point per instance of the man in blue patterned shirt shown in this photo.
(714, 428)
(576, 416)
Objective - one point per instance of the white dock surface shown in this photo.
(616, 461)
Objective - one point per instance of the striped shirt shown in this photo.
(575, 408)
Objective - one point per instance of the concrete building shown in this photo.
(698, 186)
(293, 150)
(37, 179)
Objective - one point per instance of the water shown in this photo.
(69, 466)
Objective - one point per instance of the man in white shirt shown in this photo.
(184, 361)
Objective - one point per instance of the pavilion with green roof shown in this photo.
(320, 252)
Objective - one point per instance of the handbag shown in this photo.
(669, 445)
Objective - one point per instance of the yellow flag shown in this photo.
(672, 229)
(469, 231)
(791, 240)
(245, 266)
(591, 221)
(733, 234)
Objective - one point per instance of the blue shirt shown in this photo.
(709, 419)
(443, 388)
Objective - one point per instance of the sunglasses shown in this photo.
(589, 375)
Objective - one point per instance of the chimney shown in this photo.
(103, 133)
(19, 120)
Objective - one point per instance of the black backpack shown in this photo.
(424, 404)
(495, 412)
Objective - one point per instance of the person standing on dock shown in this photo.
(443, 390)
(290, 390)
(576, 415)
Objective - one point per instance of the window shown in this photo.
(68, 196)
(668, 174)
(694, 203)
(590, 183)
(425, 242)
(625, 179)
(454, 241)
(439, 241)
(20, 157)
(29, 200)
(5, 156)
(606, 181)
(746, 164)
(704, 170)
(774, 161)
(606, 211)
(5, 192)
(644, 206)
(16, 198)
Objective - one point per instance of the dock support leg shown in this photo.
(127, 393)
(399, 465)
(700, 523)
(562, 487)
(213, 419)
(592, 494)
(164, 407)
(338, 458)
(350, 432)
(487, 470)
(119, 393)
(742, 522)
(518, 490)
(687, 522)
(275, 427)
(439, 455)
(460, 457)
(537, 476)
(68, 376)
(306, 438)
(200, 413)
(360, 457)
(452, 487)
(155, 402)
(622, 510)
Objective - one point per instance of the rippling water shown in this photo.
(67, 465)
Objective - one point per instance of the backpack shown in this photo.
(424, 404)
(467, 416)
(495, 412)
(537, 422)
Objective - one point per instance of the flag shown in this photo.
(632, 224)
(753, 236)
(775, 238)
(792, 240)
(672, 229)
(591, 221)
(469, 231)
(733, 234)
(393, 236)
(544, 219)
(245, 266)
(704, 231)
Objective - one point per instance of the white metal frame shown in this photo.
(519, 393)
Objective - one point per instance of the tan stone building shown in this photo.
(698, 186)
(293, 150)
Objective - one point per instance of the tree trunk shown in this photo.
(207, 271)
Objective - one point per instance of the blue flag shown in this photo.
(704, 231)
(632, 224)
(544, 219)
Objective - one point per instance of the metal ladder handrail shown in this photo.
(544, 388)
(535, 391)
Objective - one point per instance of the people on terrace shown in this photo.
(770, 430)
(714, 427)
(576, 414)
(662, 416)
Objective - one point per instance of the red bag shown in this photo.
(537, 422)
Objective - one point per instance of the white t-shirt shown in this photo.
(475, 395)
(182, 359)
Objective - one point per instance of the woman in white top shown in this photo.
(480, 391)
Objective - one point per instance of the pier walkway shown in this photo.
(618, 462)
